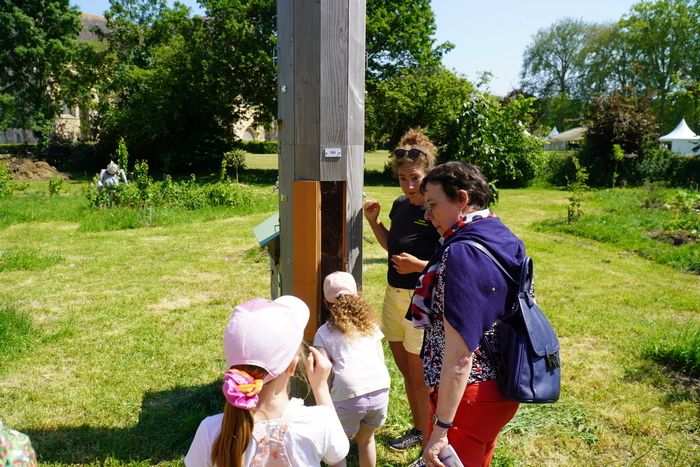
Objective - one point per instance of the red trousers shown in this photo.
(481, 414)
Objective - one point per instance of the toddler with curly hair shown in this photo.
(352, 342)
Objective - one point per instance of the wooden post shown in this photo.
(321, 59)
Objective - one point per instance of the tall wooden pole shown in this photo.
(321, 46)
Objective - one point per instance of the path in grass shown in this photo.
(124, 356)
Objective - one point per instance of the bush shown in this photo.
(684, 171)
(492, 135)
(259, 147)
(143, 192)
(655, 166)
(625, 122)
(56, 186)
(19, 150)
(558, 167)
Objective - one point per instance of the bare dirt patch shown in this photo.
(24, 169)
(675, 238)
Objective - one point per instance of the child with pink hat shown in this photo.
(261, 425)
(352, 341)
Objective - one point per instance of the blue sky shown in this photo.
(488, 35)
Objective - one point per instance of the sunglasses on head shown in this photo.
(413, 153)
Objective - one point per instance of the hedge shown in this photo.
(258, 147)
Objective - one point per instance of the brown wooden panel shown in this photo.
(306, 248)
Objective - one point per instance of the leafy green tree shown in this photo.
(429, 98)
(400, 36)
(666, 36)
(37, 51)
(404, 69)
(553, 62)
(610, 61)
(179, 83)
(494, 136)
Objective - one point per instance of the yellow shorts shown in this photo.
(395, 326)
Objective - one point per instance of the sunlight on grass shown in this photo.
(124, 332)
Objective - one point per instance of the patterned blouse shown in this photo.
(483, 369)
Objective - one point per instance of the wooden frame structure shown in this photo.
(321, 61)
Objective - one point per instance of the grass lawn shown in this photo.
(111, 340)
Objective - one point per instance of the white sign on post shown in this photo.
(332, 153)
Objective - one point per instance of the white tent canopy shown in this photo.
(682, 139)
(554, 132)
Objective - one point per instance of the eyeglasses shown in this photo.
(429, 207)
(413, 153)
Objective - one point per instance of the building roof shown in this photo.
(554, 132)
(574, 134)
(681, 132)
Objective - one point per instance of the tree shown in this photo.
(610, 61)
(494, 136)
(179, 83)
(666, 36)
(37, 50)
(553, 62)
(428, 98)
(400, 36)
(616, 120)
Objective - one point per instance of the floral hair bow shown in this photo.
(241, 389)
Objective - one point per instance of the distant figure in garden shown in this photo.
(360, 380)
(261, 425)
(410, 240)
(111, 177)
(459, 301)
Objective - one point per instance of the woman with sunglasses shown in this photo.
(459, 301)
(410, 241)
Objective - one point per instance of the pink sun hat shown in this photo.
(338, 283)
(266, 333)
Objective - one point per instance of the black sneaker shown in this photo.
(417, 463)
(407, 440)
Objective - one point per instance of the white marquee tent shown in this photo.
(682, 140)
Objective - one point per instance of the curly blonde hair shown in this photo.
(415, 139)
(352, 315)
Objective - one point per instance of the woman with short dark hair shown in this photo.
(459, 300)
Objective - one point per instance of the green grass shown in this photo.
(679, 347)
(121, 350)
(616, 217)
(16, 259)
(16, 335)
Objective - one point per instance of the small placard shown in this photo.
(333, 153)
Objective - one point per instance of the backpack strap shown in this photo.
(483, 249)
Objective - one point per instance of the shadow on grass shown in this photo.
(166, 426)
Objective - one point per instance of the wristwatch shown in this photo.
(440, 423)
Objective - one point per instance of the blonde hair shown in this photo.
(236, 429)
(352, 315)
(415, 139)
